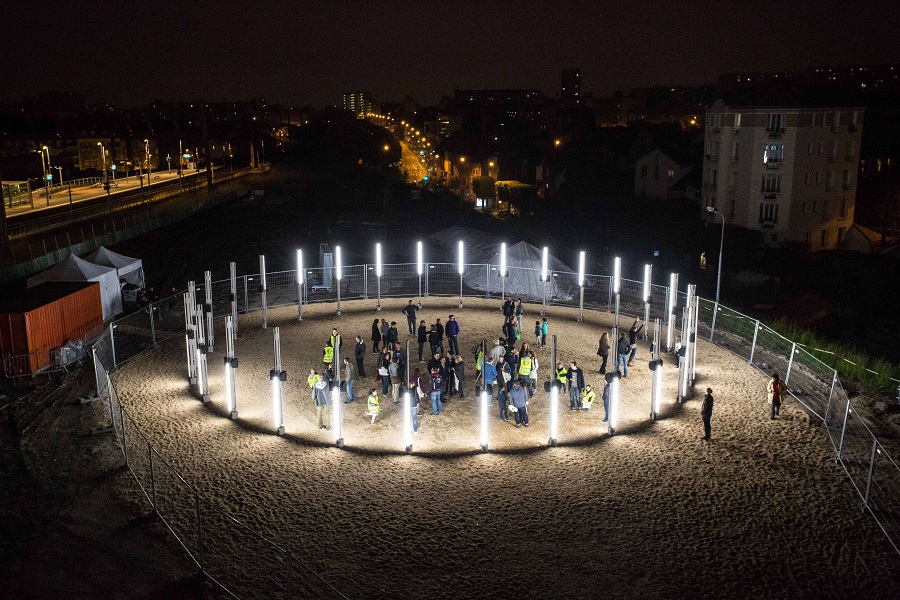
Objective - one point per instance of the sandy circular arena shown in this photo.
(761, 511)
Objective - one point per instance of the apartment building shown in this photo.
(789, 171)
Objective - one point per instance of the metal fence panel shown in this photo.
(773, 352)
(884, 496)
(176, 505)
(811, 382)
(443, 279)
(597, 292)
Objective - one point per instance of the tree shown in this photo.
(518, 194)
(484, 187)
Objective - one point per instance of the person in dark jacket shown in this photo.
(518, 398)
(359, 352)
(440, 334)
(434, 362)
(520, 312)
(393, 334)
(459, 371)
(606, 393)
(632, 339)
(376, 336)
(603, 351)
(575, 379)
(385, 333)
(410, 311)
(509, 330)
(433, 339)
(706, 412)
(452, 332)
(422, 339)
(623, 347)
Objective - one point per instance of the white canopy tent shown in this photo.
(127, 268)
(522, 260)
(78, 269)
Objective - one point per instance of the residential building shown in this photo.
(359, 103)
(786, 171)
(570, 88)
(656, 173)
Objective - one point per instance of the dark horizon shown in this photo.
(311, 55)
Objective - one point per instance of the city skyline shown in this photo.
(312, 56)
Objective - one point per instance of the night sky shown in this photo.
(311, 51)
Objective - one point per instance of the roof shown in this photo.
(41, 295)
(105, 256)
(873, 236)
(71, 268)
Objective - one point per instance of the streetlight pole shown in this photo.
(103, 159)
(44, 172)
(712, 328)
(147, 155)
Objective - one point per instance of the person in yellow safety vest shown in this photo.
(587, 397)
(525, 366)
(561, 374)
(336, 341)
(372, 405)
(312, 380)
(328, 354)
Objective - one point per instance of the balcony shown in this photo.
(737, 130)
(712, 157)
(770, 190)
(773, 163)
(709, 185)
(768, 223)
(716, 129)
(775, 132)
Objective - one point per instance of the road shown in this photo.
(60, 196)
(413, 164)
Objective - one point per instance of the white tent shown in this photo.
(77, 269)
(131, 269)
(522, 260)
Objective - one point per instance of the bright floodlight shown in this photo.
(300, 267)
(461, 267)
(378, 259)
(581, 268)
(544, 265)
(617, 275)
(228, 388)
(420, 258)
(657, 382)
(407, 423)
(646, 283)
(613, 404)
(503, 259)
(484, 421)
(554, 421)
(199, 374)
(337, 263)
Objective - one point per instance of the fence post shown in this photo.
(152, 324)
(199, 530)
(287, 564)
(427, 268)
(112, 343)
(152, 477)
(609, 295)
(246, 297)
(124, 441)
(787, 377)
(366, 281)
(871, 469)
(843, 431)
(830, 395)
(487, 280)
(753, 347)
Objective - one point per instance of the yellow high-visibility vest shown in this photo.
(328, 356)
(561, 375)
(525, 366)
(373, 405)
(587, 398)
(312, 380)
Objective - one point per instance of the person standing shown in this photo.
(410, 311)
(393, 334)
(323, 402)
(603, 351)
(440, 334)
(376, 336)
(373, 406)
(632, 339)
(360, 353)
(459, 371)
(533, 376)
(520, 312)
(415, 386)
(561, 376)
(422, 338)
(775, 390)
(349, 377)
(606, 393)
(414, 402)
(706, 412)
(490, 378)
(575, 378)
(509, 331)
(435, 386)
(452, 332)
(433, 339)
(504, 385)
(311, 380)
(394, 374)
(623, 347)
(384, 362)
(496, 351)
(385, 333)
(537, 333)
(328, 355)
(526, 365)
(545, 328)
(336, 340)
(519, 399)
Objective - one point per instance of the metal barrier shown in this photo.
(209, 534)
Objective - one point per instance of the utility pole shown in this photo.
(209, 179)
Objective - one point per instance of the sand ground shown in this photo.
(761, 511)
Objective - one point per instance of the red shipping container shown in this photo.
(47, 316)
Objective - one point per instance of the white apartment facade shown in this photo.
(789, 172)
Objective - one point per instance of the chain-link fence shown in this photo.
(219, 543)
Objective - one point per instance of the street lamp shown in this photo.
(712, 328)
(147, 155)
(44, 172)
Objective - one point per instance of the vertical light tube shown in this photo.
(544, 278)
(336, 423)
(420, 268)
(262, 290)
(581, 256)
(407, 422)
(230, 394)
(554, 414)
(670, 311)
(299, 284)
(378, 270)
(503, 272)
(613, 405)
(338, 273)
(484, 422)
(648, 272)
(232, 268)
(617, 275)
(277, 375)
(461, 267)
